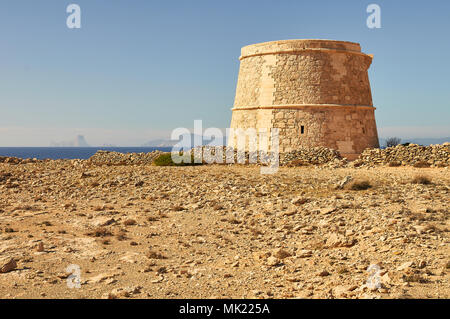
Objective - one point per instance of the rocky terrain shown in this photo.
(222, 231)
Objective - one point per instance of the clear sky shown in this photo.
(138, 69)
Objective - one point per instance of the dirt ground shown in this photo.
(222, 232)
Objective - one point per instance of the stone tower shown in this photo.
(316, 92)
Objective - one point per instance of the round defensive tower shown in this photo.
(316, 92)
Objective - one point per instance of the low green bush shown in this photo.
(166, 160)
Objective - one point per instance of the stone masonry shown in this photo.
(316, 92)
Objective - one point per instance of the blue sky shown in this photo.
(138, 69)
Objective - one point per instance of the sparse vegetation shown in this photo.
(421, 164)
(421, 179)
(155, 255)
(166, 160)
(415, 278)
(297, 163)
(152, 218)
(395, 164)
(99, 232)
(392, 141)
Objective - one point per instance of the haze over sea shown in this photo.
(70, 152)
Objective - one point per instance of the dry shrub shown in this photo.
(395, 164)
(421, 164)
(129, 222)
(99, 232)
(421, 179)
(360, 185)
(297, 163)
(152, 218)
(392, 141)
(417, 216)
(234, 221)
(415, 278)
(154, 255)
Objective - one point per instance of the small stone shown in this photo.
(272, 261)
(299, 201)
(7, 266)
(40, 247)
(405, 266)
(290, 212)
(337, 240)
(422, 264)
(420, 229)
(281, 253)
(327, 210)
(323, 273)
(304, 253)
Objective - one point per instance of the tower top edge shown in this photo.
(299, 44)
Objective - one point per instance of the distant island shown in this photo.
(79, 141)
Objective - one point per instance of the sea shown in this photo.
(70, 152)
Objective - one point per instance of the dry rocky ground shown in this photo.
(222, 231)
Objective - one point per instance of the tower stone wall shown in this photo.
(316, 92)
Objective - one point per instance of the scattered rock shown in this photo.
(7, 264)
(405, 266)
(281, 253)
(40, 247)
(337, 240)
(272, 261)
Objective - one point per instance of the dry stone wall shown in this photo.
(116, 158)
(412, 154)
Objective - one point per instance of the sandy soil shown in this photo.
(222, 232)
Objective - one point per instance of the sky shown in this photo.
(136, 70)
